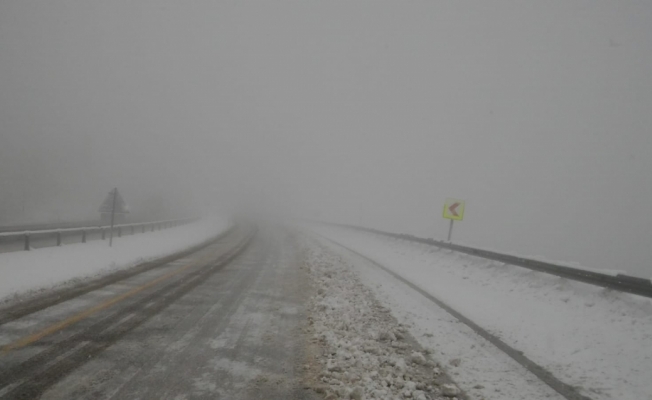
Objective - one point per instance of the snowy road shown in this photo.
(220, 323)
(285, 313)
(593, 339)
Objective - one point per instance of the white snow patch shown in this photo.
(51, 266)
(589, 337)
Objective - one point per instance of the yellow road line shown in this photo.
(87, 313)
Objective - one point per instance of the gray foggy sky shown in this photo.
(371, 112)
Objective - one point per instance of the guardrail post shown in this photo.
(84, 236)
(132, 229)
(103, 233)
(153, 225)
(143, 228)
(58, 238)
(27, 246)
(119, 231)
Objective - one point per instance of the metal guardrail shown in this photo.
(44, 226)
(620, 282)
(26, 236)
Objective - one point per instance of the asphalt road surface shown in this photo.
(222, 323)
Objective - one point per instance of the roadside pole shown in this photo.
(115, 194)
(450, 230)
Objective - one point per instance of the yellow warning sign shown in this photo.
(454, 209)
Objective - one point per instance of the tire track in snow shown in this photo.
(567, 391)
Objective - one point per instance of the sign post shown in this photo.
(453, 210)
(115, 194)
(112, 205)
(450, 230)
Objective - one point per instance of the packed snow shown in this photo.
(28, 271)
(595, 339)
(366, 354)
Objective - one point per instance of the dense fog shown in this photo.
(363, 112)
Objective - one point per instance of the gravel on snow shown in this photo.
(364, 353)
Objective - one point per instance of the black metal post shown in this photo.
(450, 231)
(27, 246)
(115, 194)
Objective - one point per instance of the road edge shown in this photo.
(19, 305)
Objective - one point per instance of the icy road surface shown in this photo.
(263, 313)
(595, 339)
(203, 326)
(281, 313)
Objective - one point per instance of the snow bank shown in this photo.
(49, 266)
(593, 338)
(367, 353)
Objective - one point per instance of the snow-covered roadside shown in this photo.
(481, 370)
(23, 272)
(367, 354)
(595, 339)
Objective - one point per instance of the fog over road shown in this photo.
(369, 113)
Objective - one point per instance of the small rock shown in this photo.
(356, 394)
(399, 345)
(333, 367)
(455, 362)
(450, 390)
(419, 395)
(319, 389)
(417, 358)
